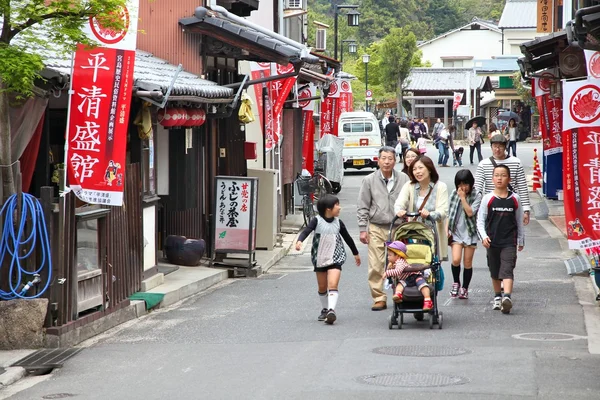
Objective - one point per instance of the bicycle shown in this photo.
(312, 188)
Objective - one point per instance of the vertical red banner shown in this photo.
(330, 111)
(308, 128)
(581, 106)
(99, 105)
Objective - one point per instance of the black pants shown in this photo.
(477, 146)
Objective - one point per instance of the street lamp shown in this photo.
(366, 59)
(352, 21)
(351, 48)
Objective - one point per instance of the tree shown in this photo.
(398, 51)
(29, 24)
(522, 91)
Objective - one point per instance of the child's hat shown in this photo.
(397, 247)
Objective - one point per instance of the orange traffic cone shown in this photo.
(536, 182)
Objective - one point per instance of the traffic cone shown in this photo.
(536, 182)
(535, 159)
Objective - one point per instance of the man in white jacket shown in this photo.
(375, 211)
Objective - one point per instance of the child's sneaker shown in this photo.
(323, 315)
(497, 303)
(330, 318)
(463, 294)
(454, 291)
(427, 305)
(397, 297)
(506, 305)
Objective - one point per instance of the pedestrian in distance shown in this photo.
(475, 141)
(511, 136)
(406, 275)
(442, 146)
(392, 132)
(422, 145)
(494, 130)
(484, 180)
(375, 212)
(462, 230)
(500, 226)
(328, 253)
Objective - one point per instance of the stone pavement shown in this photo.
(175, 287)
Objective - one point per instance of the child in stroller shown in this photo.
(405, 275)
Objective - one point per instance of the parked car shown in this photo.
(362, 139)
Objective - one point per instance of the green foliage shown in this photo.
(30, 26)
(522, 91)
(425, 18)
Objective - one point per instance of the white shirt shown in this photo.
(390, 184)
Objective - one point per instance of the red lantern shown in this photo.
(165, 117)
(180, 116)
(189, 121)
(197, 117)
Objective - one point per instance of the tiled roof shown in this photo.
(443, 79)
(519, 14)
(476, 21)
(150, 72)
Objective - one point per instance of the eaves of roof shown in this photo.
(445, 79)
(488, 25)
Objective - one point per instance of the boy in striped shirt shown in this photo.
(484, 182)
(406, 274)
(500, 226)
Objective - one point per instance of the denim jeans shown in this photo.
(512, 144)
(477, 146)
(443, 153)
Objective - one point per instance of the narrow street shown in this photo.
(260, 338)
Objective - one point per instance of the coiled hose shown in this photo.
(12, 243)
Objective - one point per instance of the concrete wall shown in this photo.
(478, 44)
(514, 37)
(149, 227)
(264, 15)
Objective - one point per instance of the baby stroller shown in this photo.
(422, 248)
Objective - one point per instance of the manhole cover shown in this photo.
(548, 337)
(272, 276)
(47, 358)
(58, 396)
(421, 351)
(410, 379)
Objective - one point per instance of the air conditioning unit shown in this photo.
(321, 44)
(294, 5)
(571, 62)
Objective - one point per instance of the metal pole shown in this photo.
(366, 85)
(335, 33)
(342, 56)
(264, 137)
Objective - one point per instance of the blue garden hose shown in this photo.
(12, 243)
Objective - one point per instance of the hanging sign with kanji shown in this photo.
(99, 104)
(235, 214)
(581, 136)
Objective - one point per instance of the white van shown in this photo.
(362, 139)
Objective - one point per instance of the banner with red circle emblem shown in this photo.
(308, 127)
(581, 163)
(99, 105)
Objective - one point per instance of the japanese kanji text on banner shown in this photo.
(99, 104)
(235, 214)
(581, 136)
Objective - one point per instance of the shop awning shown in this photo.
(252, 44)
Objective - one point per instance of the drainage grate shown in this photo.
(548, 337)
(47, 358)
(421, 351)
(410, 379)
(58, 396)
(272, 276)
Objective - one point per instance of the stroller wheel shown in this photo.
(440, 320)
(391, 322)
(431, 321)
(419, 316)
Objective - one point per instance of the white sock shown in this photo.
(333, 298)
(323, 298)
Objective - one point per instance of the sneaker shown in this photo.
(463, 294)
(330, 318)
(497, 303)
(427, 305)
(506, 305)
(397, 297)
(323, 315)
(454, 291)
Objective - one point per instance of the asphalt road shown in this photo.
(259, 339)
